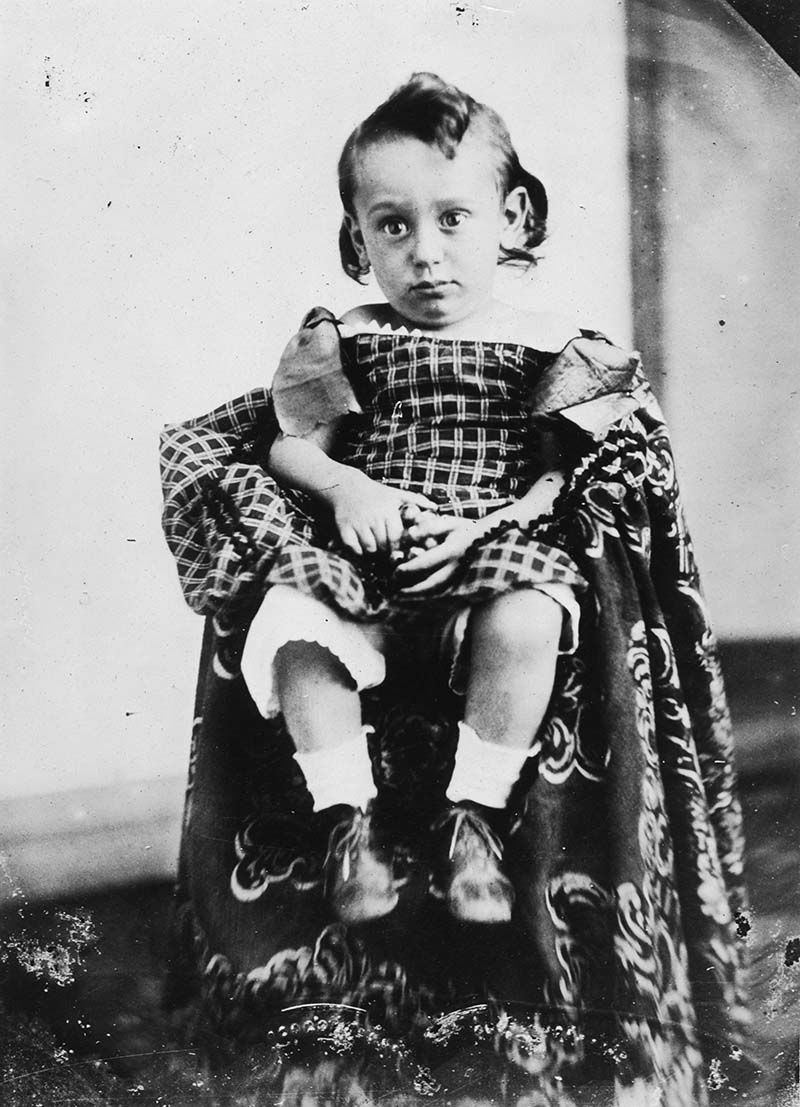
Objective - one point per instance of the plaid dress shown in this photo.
(448, 418)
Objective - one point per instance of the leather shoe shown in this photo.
(359, 875)
(467, 866)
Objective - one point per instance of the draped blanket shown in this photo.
(625, 845)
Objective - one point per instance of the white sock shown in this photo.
(485, 772)
(340, 774)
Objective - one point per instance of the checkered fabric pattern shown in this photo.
(355, 586)
(364, 588)
(223, 516)
(512, 558)
(448, 418)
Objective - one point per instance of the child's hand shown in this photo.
(448, 538)
(368, 514)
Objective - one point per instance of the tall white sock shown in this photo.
(340, 774)
(485, 772)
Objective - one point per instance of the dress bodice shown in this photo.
(445, 417)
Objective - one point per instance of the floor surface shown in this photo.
(83, 1024)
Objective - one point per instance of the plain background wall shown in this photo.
(718, 309)
(171, 212)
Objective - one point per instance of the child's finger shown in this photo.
(349, 538)
(360, 537)
(410, 513)
(394, 531)
(373, 538)
(419, 499)
(431, 582)
(389, 531)
(423, 563)
(430, 526)
(381, 532)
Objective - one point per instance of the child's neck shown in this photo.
(498, 322)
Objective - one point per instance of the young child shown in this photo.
(438, 465)
(455, 495)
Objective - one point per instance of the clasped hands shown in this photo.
(424, 546)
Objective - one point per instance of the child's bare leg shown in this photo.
(322, 710)
(318, 697)
(515, 641)
(306, 660)
(512, 665)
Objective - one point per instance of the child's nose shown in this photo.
(427, 247)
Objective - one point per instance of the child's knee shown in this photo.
(525, 621)
(294, 633)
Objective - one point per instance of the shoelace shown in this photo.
(464, 819)
(346, 844)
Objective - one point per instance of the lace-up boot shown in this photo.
(467, 865)
(359, 876)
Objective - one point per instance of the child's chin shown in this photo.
(435, 317)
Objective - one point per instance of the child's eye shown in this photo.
(452, 219)
(394, 228)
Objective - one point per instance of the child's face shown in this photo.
(431, 227)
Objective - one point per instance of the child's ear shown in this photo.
(357, 238)
(516, 209)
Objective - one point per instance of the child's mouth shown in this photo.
(432, 289)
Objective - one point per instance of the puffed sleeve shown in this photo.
(591, 383)
(224, 516)
(310, 388)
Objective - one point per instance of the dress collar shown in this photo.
(347, 330)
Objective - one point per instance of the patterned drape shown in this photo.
(625, 845)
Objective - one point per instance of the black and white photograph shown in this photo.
(400, 531)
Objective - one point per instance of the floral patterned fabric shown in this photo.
(625, 844)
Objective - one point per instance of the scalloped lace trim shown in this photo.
(347, 330)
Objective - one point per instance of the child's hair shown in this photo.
(436, 113)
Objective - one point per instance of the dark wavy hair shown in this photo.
(438, 114)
